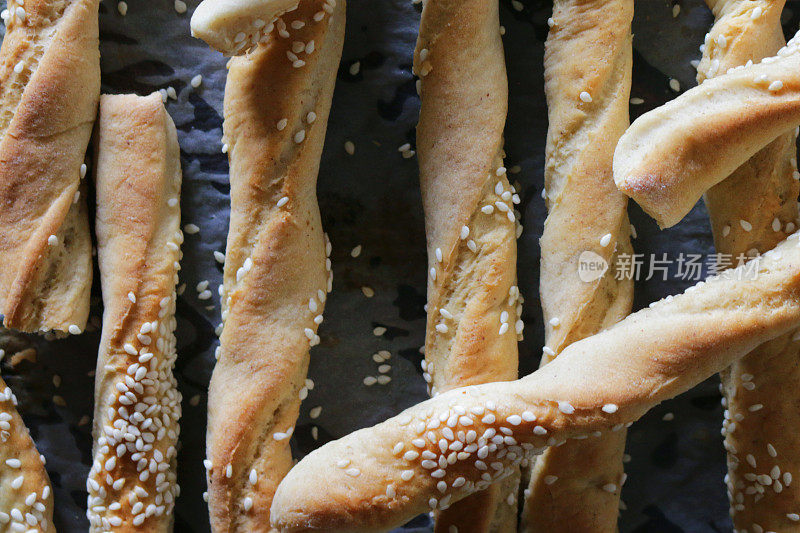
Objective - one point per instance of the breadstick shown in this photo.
(236, 26)
(587, 82)
(276, 276)
(670, 156)
(379, 477)
(49, 87)
(760, 196)
(132, 483)
(472, 323)
(27, 500)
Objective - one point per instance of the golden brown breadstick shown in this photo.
(379, 477)
(26, 499)
(751, 211)
(133, 482)
(670, 156)
(235, 26)
(472, 323)
(276, 276)
(587, 82)
(49, 86)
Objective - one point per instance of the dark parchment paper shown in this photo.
(371, 199)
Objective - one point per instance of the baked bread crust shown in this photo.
(49, 88)
(132, 484)
(276, 273)
(472, 310)
(587, 83)
(234, 27)
(26, 499)
(375, 478)
(759, 388)
(671, 155)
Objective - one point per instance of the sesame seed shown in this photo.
(549, 480)
(605, 240)
(122, 7)
(585, 97)
(52, 240)
(548, 351)
(667, 417)
(283, 201)
(776, 85)
(675, 85)
(282, 123)
(566, 408)
(349, 147)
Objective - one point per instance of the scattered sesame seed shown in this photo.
(585, 97)
(197, 80)
(349, 147)
(180, 6)
(605, 240)
(122, 7)
(675, 85)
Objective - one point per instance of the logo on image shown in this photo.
(591, 266)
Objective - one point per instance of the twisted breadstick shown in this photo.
(236, 26)
(587, 99)
(469, 214)
(670, 156)
(26, 500)
(443, 449)
(276, 276)
(755, 208)
(132, 484)
(49, 87)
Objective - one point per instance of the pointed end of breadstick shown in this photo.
(235, 26)
(650, 190)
